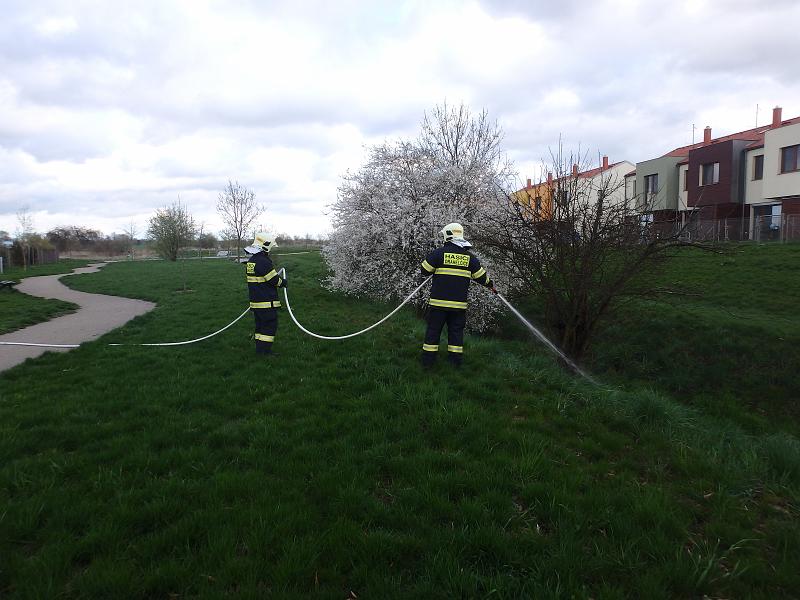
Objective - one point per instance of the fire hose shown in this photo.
(538, 334)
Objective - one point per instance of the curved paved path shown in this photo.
(98, 314)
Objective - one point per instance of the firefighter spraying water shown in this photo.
(453, 266)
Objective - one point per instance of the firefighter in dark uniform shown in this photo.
(453, 268)
(263, 283)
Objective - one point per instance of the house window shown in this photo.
(758, 167)
(538, 203)
(709, 173)
(686, 180)
(651, 184)
(790, 159)
(630, 188)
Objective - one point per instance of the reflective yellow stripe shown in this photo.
(427, 266)
(264, 338)
(446, 303)
(274, 304)
(456, 272)
(251, 279)
(458, 349)
(430, 348)
(479, 273)
(280, 282)
(270, 275)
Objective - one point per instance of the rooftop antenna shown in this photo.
(756, 114)
(693, 128)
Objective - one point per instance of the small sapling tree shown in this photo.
(171, 228)
(238, 208)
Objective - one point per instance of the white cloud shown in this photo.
(53, 26)
(112, 110)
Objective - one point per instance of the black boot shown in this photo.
(455, 359)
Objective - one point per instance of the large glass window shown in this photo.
(789, 159)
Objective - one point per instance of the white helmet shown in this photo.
(263, 241)
(453, 230)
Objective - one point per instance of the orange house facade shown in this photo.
(537, 198)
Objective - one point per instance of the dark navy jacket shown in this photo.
(453, 267)
(262, 281)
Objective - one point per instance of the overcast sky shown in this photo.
(109, 110)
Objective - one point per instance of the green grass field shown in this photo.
(341, 469)
(19, 310)
(731, 345)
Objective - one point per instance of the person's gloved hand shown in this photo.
(284, 283)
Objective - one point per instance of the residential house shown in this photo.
(715, 179)
(772, 181)
(538, 197)
(609, 176)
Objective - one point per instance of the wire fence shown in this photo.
(17, 256)
(780, 228)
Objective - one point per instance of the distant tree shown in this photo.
(171, 229)
(60, 238)
(24, 233)
(207, 241)
(238, 208)
(67, 238)
(131, 230)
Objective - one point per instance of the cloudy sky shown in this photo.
(109, 110)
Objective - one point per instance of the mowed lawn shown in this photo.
(341, 469)
(19, 310)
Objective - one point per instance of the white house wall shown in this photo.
(753, 188)
(683, 195)
(777, 184)
(615, 176)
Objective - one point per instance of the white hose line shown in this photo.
(542, 338)
(39, 345)
(205, 337)
(344, 337)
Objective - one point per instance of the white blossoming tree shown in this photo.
(387, 214)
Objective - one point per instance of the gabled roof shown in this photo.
(581, 175)
(755, 135)
(598, 170)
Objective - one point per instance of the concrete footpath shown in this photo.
(98, 314)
